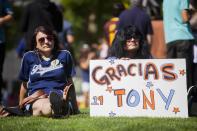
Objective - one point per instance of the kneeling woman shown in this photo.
(46, 74)
(129, 44)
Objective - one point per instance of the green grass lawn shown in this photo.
(83, 122)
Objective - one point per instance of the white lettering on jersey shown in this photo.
(55, 64)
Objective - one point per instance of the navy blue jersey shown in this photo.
(85, 75)
(46, 75)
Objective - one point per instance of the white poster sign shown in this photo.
(140, 87)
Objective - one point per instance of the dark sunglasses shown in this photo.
(42, 39)
(135, 39)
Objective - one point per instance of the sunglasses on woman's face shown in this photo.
(42, 39)
(133, 40)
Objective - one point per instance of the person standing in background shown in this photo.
(192, 91)
(5, 16)
(110, 27)
(40, 13)
(86, 54)
(178, 35)
(193, 23)
(138, 17)
(67, 36)
(67, 39)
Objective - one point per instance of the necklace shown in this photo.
(46, 58)
(44, 61)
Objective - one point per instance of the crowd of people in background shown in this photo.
(6, 14)
(193, 23)
(127, 35)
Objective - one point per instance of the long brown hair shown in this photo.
(47, 31)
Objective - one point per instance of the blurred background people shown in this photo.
(178, 35)
(20, 49)
(192, 91)
(110, 27)
(103, 48)
(193, 23)
(86, 54)
(152, 7)
(137, 16)
(40, 13)
(5, 16)
(66, 36)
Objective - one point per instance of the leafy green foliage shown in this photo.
(13, 32)
(79, 13)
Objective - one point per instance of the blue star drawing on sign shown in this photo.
(111, 114)
(149, 84)
(111, 61)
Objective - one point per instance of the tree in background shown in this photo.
(88, 17)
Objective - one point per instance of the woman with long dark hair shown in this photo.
(49, 70)
(129, 44)
(46, 75)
